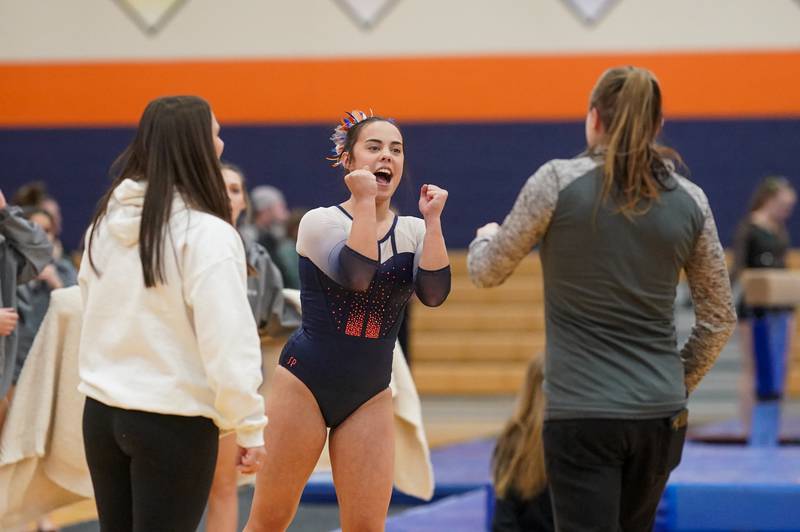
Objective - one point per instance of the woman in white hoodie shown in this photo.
(169, 350)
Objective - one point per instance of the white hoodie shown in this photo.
(187, 347)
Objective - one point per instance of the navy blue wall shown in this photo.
(482, 165)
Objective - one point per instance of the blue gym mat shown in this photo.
(456, 468)
(731, 487)
(716, 488)
(460, 513)
(732, 431)
(463, 467)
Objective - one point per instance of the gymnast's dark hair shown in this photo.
(346, 133)
(173, 151)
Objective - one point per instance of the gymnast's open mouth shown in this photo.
(383, 175)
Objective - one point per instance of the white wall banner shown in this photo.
(367, 13)
(590, 11)
(150, 15)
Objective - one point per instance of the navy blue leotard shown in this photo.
(352, 308)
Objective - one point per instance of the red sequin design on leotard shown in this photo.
(355, 321)
(372, 313)
(373, 327)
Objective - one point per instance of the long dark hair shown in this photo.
(173, 151)
(628, 102)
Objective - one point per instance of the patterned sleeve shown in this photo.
(715, 317)
(491, 260)
(322, 238)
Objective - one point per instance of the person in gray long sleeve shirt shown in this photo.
(609, 292)
(613, 244)
(24, 252)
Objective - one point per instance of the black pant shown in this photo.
(512, 513)
(150, 472)
(609, 474)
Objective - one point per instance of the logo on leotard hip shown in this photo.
(291, 362)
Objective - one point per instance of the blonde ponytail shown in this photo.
(518, 462)
(628, 102)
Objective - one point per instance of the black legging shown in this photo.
(150, 472)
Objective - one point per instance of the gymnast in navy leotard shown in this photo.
(359, 265)
(352, 307)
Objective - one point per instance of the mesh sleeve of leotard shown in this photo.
(322, 238)
(431, 286)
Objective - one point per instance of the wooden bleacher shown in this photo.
(480, 340)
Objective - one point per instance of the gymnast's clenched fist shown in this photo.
(431, 201)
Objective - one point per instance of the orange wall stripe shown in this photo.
(484, 88)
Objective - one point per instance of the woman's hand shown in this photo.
(250, 459)
(2, 200)
(8, 321)
(50, 276)
(487, 230)
(431, 201)
(362, 184)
